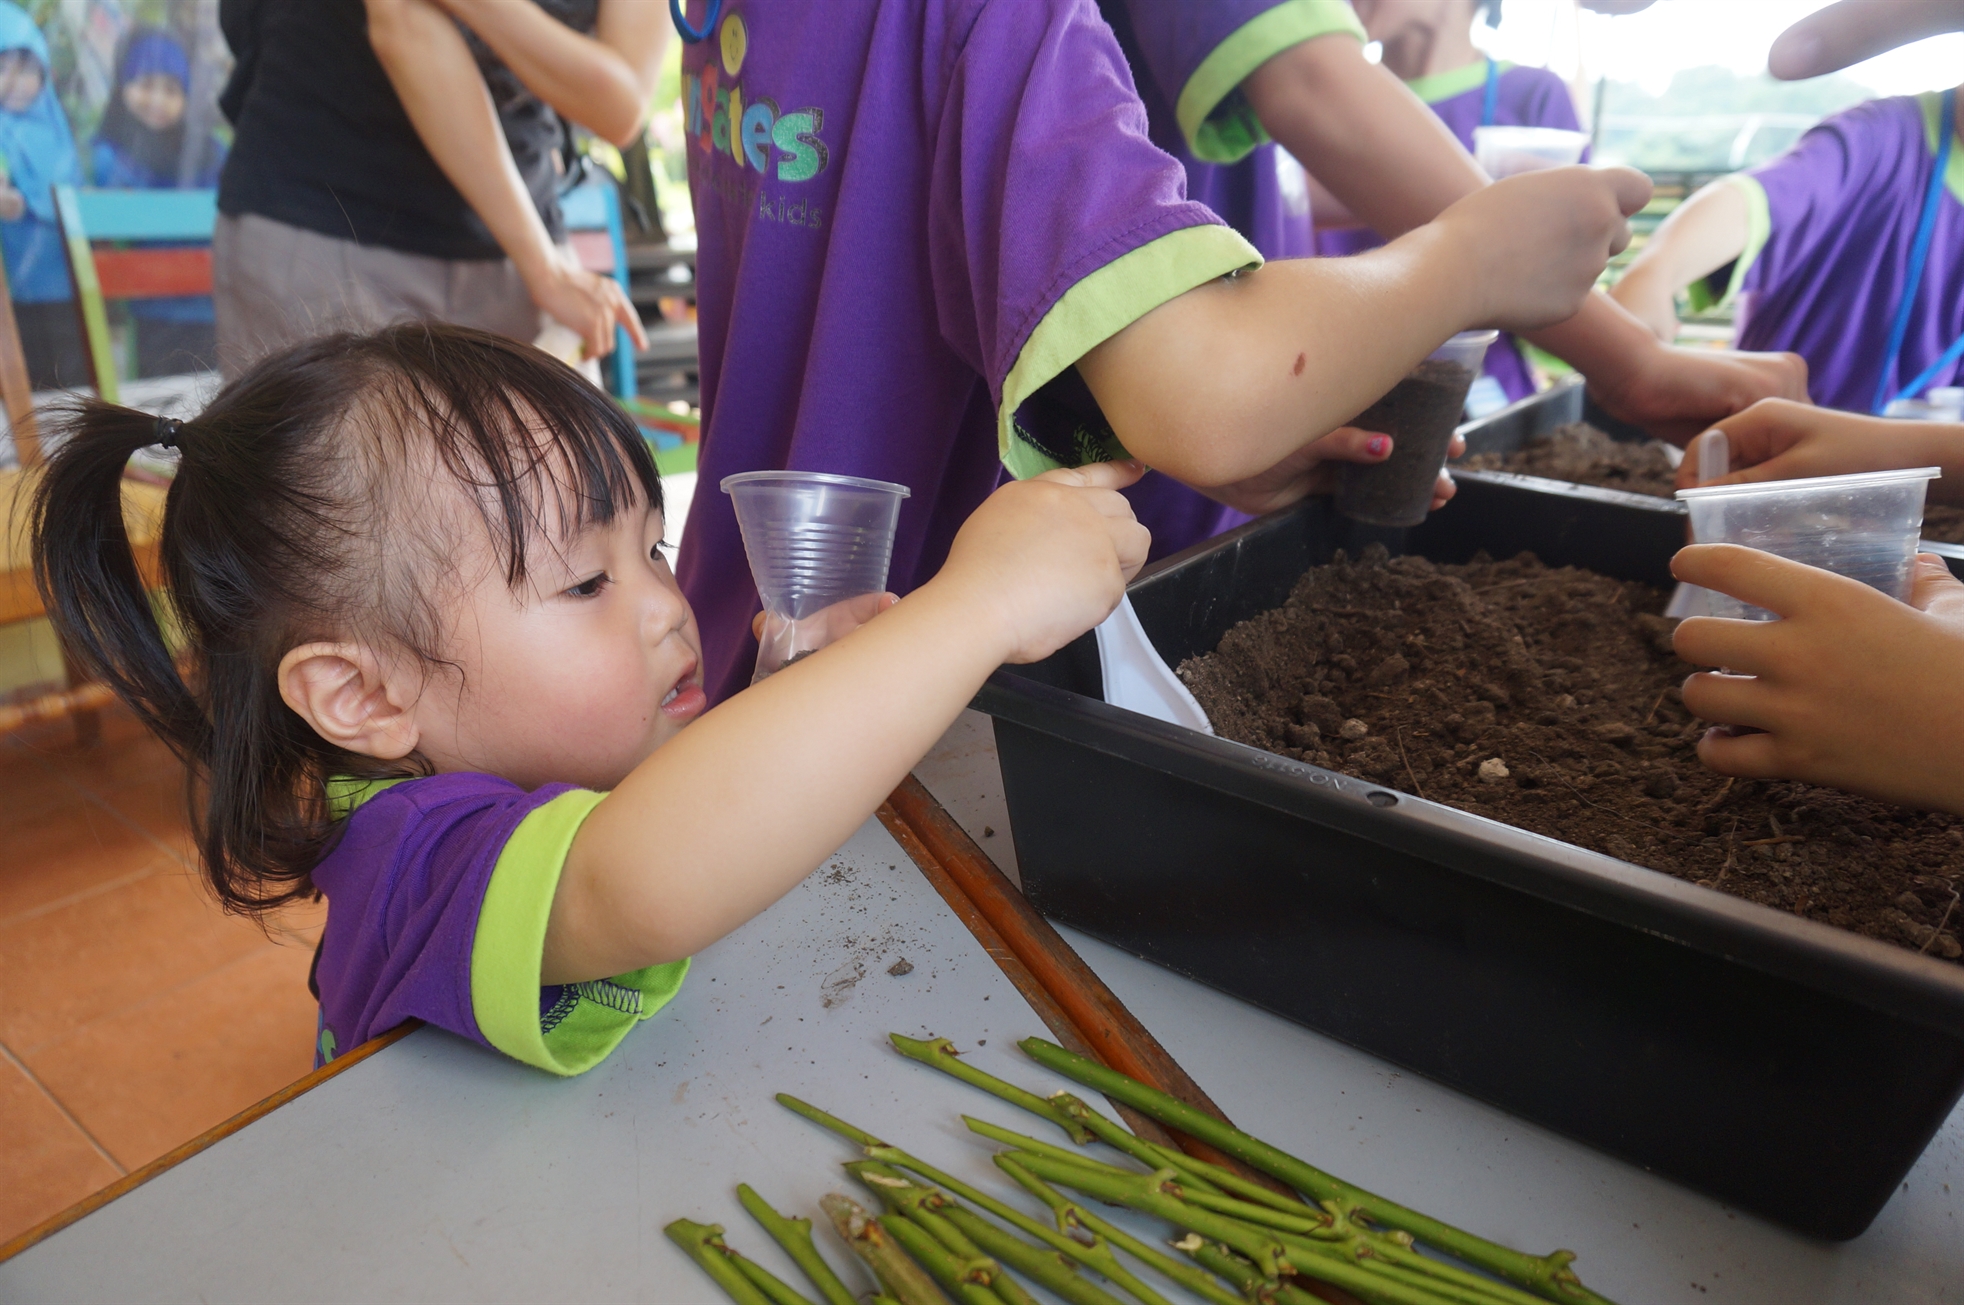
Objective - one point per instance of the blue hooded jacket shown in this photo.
(40, 154)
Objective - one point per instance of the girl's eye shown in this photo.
(589, 587)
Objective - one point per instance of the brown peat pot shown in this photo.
(1789, 1068)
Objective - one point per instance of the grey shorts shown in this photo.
(274, 285)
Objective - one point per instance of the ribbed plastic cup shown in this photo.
(1865, 526)
(813, 540)
(1508, 151)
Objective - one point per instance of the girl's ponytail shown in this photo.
(87, 570)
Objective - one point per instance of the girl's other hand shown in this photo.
(588, 304)
(1776, 439)
(1536, 243)
(1046, 559)
(1850, 688)
(12, 203)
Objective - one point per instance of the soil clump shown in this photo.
(1547, 698)
(1580, 453)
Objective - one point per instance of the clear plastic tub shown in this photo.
(816, 542)
(1420, 414)
(1505, 151)
(1864, 526)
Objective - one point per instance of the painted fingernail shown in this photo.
(1378, 445)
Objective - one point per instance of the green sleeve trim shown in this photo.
(1099, 307)
(1759, 227)
(1454, 81)
(1214, 117)
(345, 793)
(589, 1019)
(1932, 104)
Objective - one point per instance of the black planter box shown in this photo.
(1787, 1067)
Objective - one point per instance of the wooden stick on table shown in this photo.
(1100, 1019)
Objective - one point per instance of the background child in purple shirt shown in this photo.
(936, 242)
(438, 670)
(1820, 243)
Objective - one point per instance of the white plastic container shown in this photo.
(1505, 151)
(814, 541)
(1864, 526)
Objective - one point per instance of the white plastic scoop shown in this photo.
(1714, 460)
(1137, 678)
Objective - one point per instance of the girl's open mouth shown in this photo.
(686, 700)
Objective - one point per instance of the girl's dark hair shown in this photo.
(308, 505)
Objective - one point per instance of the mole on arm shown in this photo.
(1297, 370)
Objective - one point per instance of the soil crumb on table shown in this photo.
(1548, 699)
(1580, 453)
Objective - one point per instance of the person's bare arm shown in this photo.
(435, 77)
(603, 82)
(1225, 386)
(1700, 236)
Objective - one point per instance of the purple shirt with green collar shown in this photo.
(438, 893)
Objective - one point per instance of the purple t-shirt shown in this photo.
(438, 893)
(890, 199)
(404, 885)
(1840, 214)
(1526, 97)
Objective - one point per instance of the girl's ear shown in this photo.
(343, 692)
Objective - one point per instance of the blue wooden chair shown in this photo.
(129, 220)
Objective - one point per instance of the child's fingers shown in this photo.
(1098, 475)
(1632, 188)
(1133, 541)
(1443, 491)
(1749, 756)
(1934, 589)
(626, 314)
(1351, 444)
(1780, 586)
(1726, 699)
(1741, 646)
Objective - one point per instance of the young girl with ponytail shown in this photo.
(435, 667)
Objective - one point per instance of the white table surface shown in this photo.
(437, 1170)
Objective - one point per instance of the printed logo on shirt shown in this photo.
(755, 133)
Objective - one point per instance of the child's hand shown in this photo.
(1311, 470)
(1048, 558)
(1536, 243)
(1851, 688)
(12, 203)
(1779, 440)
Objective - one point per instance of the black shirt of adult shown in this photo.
(323, 142)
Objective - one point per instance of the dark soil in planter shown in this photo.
(1580, 453)
(1548, 699)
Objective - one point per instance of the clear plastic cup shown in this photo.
(816, 542)
(1420, 415)
(1864, 526)
(1505, 151)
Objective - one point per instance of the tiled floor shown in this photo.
(134, 1014)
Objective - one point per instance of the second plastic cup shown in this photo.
(1506, 151)
(1863, 526)
(815, 542)
(1420, 415)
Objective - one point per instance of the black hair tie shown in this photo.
(167, 432)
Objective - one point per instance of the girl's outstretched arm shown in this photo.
(724, 819)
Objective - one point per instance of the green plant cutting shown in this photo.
(941, 1240)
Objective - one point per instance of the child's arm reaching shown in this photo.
(1227, 386)
(1702, 235)
(1850, 688)
(724, 819)
(1779, 440)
